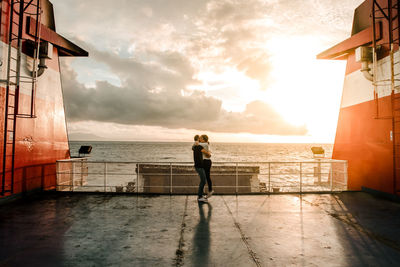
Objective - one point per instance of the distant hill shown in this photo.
(85, 137)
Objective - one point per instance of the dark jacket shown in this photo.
(197, 156)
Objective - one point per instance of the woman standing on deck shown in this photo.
(207, 162)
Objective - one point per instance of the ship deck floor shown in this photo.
(346, 229)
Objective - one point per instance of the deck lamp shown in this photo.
(85, 150)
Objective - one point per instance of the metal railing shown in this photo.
(322, 175)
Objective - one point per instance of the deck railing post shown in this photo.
(170, 181)
(236, 183)
(345, 174)
(319, 171)
(137, 177)
(72, 176)
(269, 177)
(301, 178)
(331, 176)
(105, 177)
(81, 172)
(57, 175)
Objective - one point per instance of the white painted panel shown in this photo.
(48, 85)
(356, 89)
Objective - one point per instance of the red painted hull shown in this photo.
(365, 142)
(368, 131)
(40, 141)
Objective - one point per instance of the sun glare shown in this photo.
(302, 89)
(305, 90)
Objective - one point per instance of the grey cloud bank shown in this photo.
(145, 98)
(156, 48)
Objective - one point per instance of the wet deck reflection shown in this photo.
(347, 229)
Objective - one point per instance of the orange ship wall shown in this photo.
(365, 142)
(365, 132)
(43, 140)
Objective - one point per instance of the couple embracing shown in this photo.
(202, 164)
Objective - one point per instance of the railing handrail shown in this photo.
(214, 162)
(301, 174)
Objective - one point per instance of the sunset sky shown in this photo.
(240, 71)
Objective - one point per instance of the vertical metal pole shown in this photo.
(57, 175)
(319, 171)
(81, 172)
(36, 56)
(105, 177)
(72, 177)
(398, 22)
(137, 178)
(331, 177)
(170, 178)
(301, 178)
(236, 186)
(374, 61)
(345, 173)
(17, 89)
(392, 92)
(7, 96)
(269, 177)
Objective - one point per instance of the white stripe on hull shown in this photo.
(48, 85)
(357, 89)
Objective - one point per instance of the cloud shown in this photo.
(213, 33)
(155, 95)
(157, 51)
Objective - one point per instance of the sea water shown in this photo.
(279, 164)
(182, 151)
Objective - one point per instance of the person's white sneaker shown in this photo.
(210, 193)
(202, 199)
